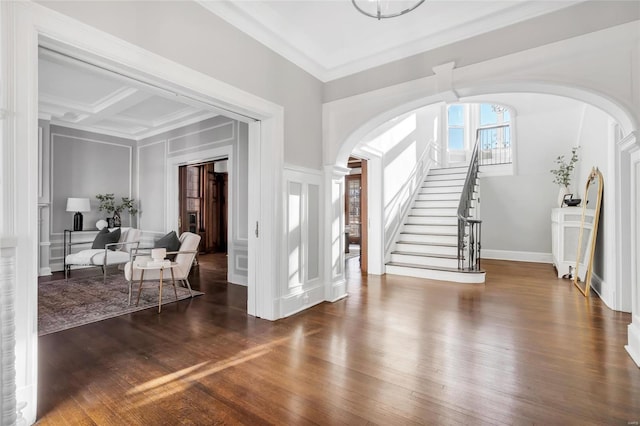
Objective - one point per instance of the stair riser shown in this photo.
(436, 183)
(453, 204)
(423, 208)
(439, 197)
(432, 178)
(429, 238)
(426, 220)
(425, 260)
(452, 170)
(419, 248)
(458, 277)
(430, 229)
(441, 189)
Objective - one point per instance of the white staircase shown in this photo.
(427, 245)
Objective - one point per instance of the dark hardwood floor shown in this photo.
(526, 348)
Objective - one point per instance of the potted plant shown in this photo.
(562, 175)
(109, 205)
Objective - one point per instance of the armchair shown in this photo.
(112, 254)
(184, 258)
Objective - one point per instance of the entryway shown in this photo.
(203, 193)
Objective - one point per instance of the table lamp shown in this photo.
(78, 205)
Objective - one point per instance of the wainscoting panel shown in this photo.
(302, 226)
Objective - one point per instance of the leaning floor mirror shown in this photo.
(588, 231)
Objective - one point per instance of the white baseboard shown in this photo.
(237, 279)
(44, 272)
(517, 256)
(338, 290)
(293, 303)
(633, 346)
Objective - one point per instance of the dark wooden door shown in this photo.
(203, 205)
(216, 211)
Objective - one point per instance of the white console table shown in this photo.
(565, 232)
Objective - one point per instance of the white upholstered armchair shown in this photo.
(184, 258)
(116, 253)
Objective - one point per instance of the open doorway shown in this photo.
(203, 193)
(356, 212)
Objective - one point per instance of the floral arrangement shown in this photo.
(108, 204)
(562, 175)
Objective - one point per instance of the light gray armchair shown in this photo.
(184, 258)
(112, 254)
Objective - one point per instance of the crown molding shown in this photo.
(259, 28)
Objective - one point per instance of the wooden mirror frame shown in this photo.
(585, 286)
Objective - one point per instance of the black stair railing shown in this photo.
(469, 230)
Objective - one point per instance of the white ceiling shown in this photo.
(82, 96)
(331, 39)
(328, 38)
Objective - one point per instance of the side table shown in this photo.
(161, 268)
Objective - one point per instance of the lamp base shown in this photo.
(77, 221)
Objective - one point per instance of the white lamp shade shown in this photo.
(78, 205)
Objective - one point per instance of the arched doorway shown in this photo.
(347, 130)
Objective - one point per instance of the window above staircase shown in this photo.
(496, 142)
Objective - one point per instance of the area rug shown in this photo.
(79, 301)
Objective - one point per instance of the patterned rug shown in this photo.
(79, 301)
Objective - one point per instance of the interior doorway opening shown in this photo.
(356, 212)
(203, 194)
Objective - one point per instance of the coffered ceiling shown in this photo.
(82, 96)
(331, 39)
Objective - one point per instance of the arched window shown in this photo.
(492, 125)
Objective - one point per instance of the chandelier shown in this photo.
(383, 9)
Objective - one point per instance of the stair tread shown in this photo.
(430, 215)
(436, 215)
(432, 224)
(434, 268)
(419, 243)
(435, 234)
(414, 253)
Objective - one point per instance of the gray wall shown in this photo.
(566, 23)
(84, 164)
(155, 157)
(594, 142)
(190, 35)
(516, 210)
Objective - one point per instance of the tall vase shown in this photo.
(564, 190)
(117, 222)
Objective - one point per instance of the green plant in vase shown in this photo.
(562, 175)
(109, 205)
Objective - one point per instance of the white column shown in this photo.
(7, 332)
(18, 209)
(336, 284)
(633, 346)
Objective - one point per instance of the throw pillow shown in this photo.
(105, 237)
(169, 242)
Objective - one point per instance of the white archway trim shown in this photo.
(630, 241)
(564, 68)
(24, 25)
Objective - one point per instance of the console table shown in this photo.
(565, 232)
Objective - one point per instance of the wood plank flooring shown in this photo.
(525, 348)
